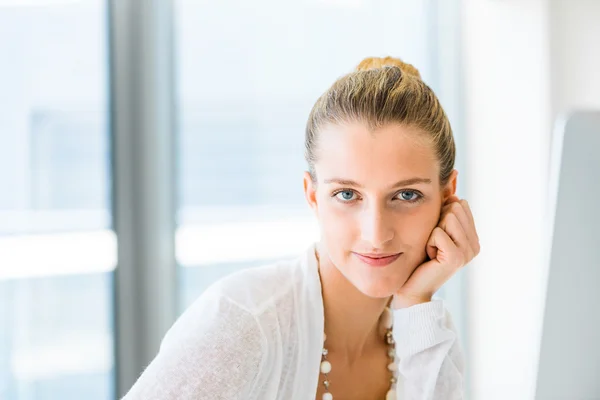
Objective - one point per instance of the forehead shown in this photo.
(380, 157)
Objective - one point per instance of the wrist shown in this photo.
(405, 301)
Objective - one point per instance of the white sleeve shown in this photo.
(431, 365)
(214, 351)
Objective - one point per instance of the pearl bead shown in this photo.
(328, 396)
(391, 366)
(387, 318)
(391, 395)
(325, 367)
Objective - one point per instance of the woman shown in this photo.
(353, 318)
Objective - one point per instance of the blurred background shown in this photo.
(148, 148)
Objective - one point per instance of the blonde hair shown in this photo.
(383, 91)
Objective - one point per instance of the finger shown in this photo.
(473, 235)
(451, 199)
(465, 217)
(469, 213)
(468, 226)
(467, 207)
(461, 214)
(453, 228)
(447, 251)
(431, 252)
(456, 232)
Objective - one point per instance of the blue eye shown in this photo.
(345, 195)
(409, 196)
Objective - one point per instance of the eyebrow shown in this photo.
(404, 182)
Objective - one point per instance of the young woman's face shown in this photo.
(377, 194)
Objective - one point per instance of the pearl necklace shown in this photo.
(387, 321)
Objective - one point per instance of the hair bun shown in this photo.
(380, 62)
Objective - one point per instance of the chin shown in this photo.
(377, 289)
(377, 283)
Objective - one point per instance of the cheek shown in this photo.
(415, 228)
(336, 221)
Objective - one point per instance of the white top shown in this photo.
(258, 335)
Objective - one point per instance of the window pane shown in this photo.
(57, 251)
(249, 73)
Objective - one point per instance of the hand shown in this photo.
(452, 245)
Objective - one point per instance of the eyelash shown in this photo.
(417, 200)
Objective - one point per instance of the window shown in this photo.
(57, 250)
(248, 76)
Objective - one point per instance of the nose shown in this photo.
(376, 227)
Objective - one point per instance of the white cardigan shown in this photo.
(258, 335)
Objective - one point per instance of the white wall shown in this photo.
(575, 51)
(507, 122)
(525, 61)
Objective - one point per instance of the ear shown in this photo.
(310, 191)
(450, 188)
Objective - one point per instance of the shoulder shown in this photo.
(213, 318)
(244, 303)
(215, 348)
(253, 289)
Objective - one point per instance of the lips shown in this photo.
(377, 260)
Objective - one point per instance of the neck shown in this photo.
(352, 319)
